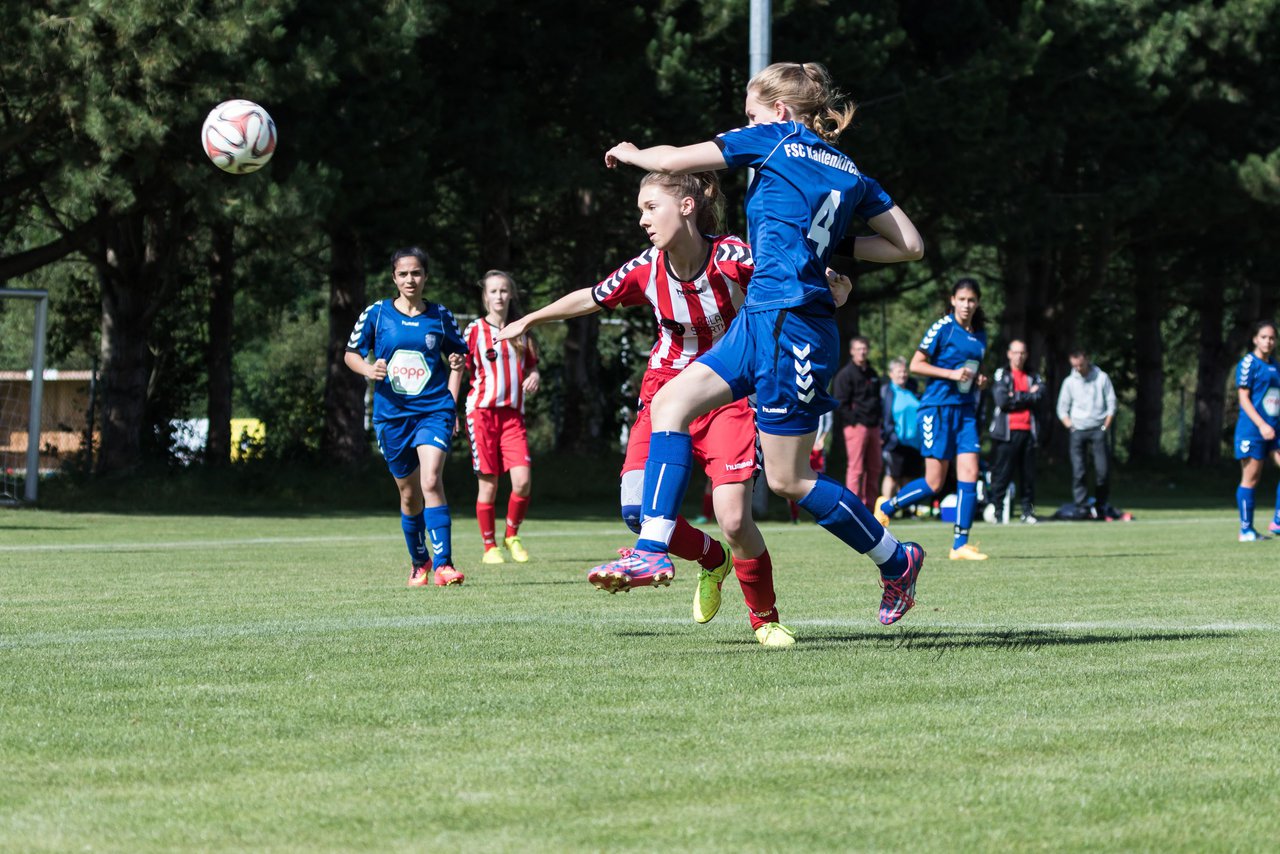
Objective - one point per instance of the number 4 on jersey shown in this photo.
(820, 232)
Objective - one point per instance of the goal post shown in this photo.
(12, 404)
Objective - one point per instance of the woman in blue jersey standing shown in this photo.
(949, 356)
(784, 345)
(418, 356)
(1258, 390)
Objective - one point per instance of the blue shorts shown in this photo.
(787, 357)
(948, 430)
(399, 439)
(1250, 445)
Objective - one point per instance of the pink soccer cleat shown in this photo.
(635, 568)
(447, 575)
(419, 576)
(899, 593)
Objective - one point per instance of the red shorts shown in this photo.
(724, 439)
(498, 440)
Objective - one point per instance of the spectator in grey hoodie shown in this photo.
(1086, 407)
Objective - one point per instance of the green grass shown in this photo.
(250, 683)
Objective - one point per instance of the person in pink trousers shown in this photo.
(857, 389)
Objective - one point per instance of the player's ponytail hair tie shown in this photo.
(806, 88)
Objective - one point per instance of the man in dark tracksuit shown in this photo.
(1013, 431)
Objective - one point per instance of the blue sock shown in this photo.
(1244, 500)
(415, 530)
(666, 477)
(440, 531)
(916, 490)
(1276, 519)
(966, 501)
(843, 514)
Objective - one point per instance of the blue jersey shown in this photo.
(1262, 379)
(803, 198)
(416, 349)
(949, 345)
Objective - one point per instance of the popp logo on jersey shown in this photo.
(1271, 402)
(408, 372)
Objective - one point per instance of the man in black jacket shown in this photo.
(1014, 428)
(857, 388)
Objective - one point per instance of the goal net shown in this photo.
(23, 319)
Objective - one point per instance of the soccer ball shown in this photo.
(239, 136)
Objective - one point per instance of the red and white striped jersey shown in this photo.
(691, 315)
(498, 368)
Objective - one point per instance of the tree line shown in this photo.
(1109, 172)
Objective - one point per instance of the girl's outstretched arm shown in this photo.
(573, 304)
(669, 159)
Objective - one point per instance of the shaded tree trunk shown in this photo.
(222, 300)
(581, 417)
(344, 390)
(495, 231)
(1148, 404)
(1223, 339)
(126, 368)
(1032, 315)
(1046, 292)
(1205, 447)
(582, 402)
(135, 264)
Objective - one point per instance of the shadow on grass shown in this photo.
(942, 640)
(1082, 554)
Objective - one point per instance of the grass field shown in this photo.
(267, 683)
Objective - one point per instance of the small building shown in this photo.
(64, 418)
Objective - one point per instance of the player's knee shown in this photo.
(669, 411)
(733, 523)
(410, 502)
(784, 485)
(631, 493)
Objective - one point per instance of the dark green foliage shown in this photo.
(1108, 171)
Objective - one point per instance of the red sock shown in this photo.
(486, 516)
(756, 578)
(691, 544)
(795, 511)
(708, 509)
(517, 506)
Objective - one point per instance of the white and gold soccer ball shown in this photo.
(239, 136)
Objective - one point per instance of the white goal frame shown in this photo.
(32, 478)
